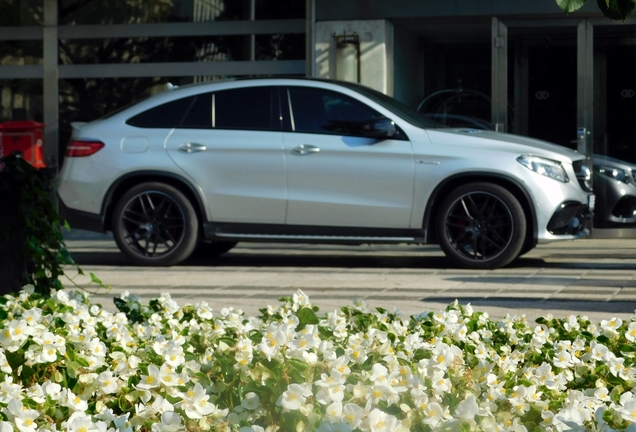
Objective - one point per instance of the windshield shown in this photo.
(402, 110)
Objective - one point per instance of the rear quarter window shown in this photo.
(168, 115)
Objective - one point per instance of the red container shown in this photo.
(23, 136)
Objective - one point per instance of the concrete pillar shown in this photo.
(375, 57)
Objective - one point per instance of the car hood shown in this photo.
(502, 142)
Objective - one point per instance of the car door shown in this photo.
(230, 144)
(335, 175)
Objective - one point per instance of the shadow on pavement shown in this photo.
(576, 306)
(308, 260)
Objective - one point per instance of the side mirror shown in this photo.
(380, 128)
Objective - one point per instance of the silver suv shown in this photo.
(314, 161)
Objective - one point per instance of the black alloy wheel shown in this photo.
(481, 225)
(155, 224)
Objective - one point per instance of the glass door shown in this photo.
(542, 83)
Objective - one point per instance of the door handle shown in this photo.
(304, 149)
(192, 148)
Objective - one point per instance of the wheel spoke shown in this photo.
(466, 208)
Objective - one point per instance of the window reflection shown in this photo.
(21, 12)
(148, 11)
(152, 49)
(21, 99)
(280, 9)
(20, 52)
(280, 47)
(457, 82)
(84, 100)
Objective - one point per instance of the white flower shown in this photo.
(52, 390)
(251, 401)
(379, 421)
(170, 422)
(151, 380)
(467, 409)
(334, 412)
(439, 383)
(610, 328)
(195, 403)
(106, 383)
(433, 414)
(74, 402)
(9, 390)
(81, 423)
(627, 408)
(353, 415)
(14, 334)
(294, 397)
(25, 420)
(630, 333)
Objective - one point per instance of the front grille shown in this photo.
(570, 218)
(583, 174)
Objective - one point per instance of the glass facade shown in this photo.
(279, 9)
(86, 93)
(21, 99)
(20, 52)
(148, 11)
(457, 84)
(280, 47)
(152, 49)
(21, 12)
(542, 83)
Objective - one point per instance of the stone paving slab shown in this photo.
(592, 277)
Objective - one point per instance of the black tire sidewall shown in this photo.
(519, 232)
(191, 226)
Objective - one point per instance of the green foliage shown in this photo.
(570, 5)
(45, 254)
(612, 9)
(616, 9)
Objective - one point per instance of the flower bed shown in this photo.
(66, 364)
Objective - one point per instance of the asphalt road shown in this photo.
(596, 278)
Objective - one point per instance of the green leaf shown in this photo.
(307, 316)
(616, 9)
(95, 279)
(15, 359)
(27, 373)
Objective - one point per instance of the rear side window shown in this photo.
(253, 108)
(200, 114)
(168, 115)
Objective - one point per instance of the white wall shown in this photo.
(376, 51)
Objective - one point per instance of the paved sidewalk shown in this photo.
(593, 277)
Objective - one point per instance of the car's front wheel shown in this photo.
(155, 224)
(481, 225)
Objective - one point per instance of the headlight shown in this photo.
(613, 173)
(546, 167)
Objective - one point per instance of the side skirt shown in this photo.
(309, 234)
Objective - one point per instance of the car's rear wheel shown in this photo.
(481, 225)
(155, 224)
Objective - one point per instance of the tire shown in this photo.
(154, 224)
(214, 249)
(481, 226)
